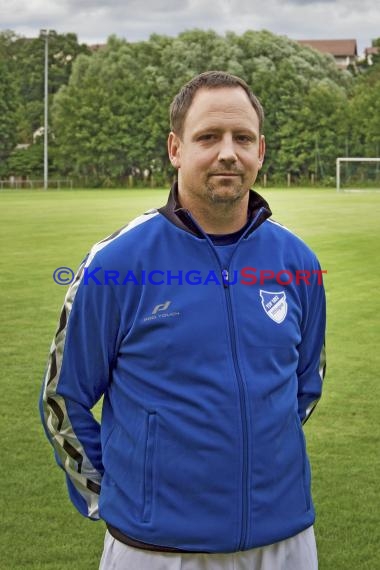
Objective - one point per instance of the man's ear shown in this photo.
(261, 150)
(174, 149)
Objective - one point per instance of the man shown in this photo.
(202, 325)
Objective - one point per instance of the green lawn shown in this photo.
(43, 230)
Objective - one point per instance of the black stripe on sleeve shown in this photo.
(70, 450)
(62, 321)
(94, 487)
(58, 412)
(53, 367)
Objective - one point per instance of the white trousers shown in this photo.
(296, 553)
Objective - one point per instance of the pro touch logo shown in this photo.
(161, 312)
(162, 307)
(274, 304)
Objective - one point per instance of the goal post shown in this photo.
(359, 178)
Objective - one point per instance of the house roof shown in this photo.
(337, 48)
(372, 50)
(96, 47)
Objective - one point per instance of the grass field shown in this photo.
(43, 230)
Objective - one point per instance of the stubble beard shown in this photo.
(225, 193)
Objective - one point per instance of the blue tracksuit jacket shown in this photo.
(207, 376)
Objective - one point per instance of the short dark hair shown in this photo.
(208, 80)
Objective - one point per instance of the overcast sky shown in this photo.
(94, 20)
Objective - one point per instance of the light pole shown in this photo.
(45, 33)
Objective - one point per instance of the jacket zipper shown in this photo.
(243, 407)
(241, 387)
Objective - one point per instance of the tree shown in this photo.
(26, 162)
(304, 94)
(8, 100)
(29, 60)
(364, 116)
(22, 92)
(111, 119)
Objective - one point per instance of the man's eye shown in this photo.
(244, 138)
(206, 137)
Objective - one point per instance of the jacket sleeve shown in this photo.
(78, 370)
(312, 356)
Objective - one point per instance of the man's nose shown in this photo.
(227, 151)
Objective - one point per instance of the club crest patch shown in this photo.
(274, 304)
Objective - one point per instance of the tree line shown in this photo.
(108, 109)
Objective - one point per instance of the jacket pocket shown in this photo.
(150, 452)
(305, 482)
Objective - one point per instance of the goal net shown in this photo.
(357, 174)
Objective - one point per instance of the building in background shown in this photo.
(345, 52)
(369, 53)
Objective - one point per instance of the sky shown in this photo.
(94, 20)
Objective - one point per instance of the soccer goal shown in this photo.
(357, 174)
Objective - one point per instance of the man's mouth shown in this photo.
(225, 174)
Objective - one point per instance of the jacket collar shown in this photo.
(258, 212)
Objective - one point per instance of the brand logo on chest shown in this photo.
(161, 312)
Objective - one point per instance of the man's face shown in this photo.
(220, 151)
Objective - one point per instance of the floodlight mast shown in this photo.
(45, 34)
